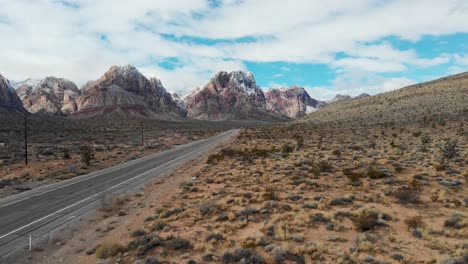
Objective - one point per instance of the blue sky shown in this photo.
(338, 46)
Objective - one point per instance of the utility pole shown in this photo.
(142, 135)
(26, 139)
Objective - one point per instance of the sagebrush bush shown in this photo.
(406, 194)
(270, 193)
(109, 250)
(416, 225)
(366, 220)
(449, 150)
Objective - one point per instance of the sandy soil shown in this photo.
(291, 194)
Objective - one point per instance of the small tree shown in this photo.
(425, 141)
(66, 154)
(87, 154)
(299, 142)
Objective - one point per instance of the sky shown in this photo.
(328, 47)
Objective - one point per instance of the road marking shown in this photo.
(112, 169)
(94, 195)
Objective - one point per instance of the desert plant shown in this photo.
(87, 154)
(449, 150)
(270, 193)
(299, 142)
(109, 250)
(138, 233)
(178, 244)
(324, 166)
(366, 220)
(456, 221)
(416, 225)
(406, 194)
(66, 153)
(425, 141)
(375, 173)
(287, 148)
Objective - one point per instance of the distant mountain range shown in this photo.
(125, 92)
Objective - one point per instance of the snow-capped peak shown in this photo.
(29, 81)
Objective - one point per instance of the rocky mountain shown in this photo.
(229, 96)
(339, 98)
(23, 91)
(346, 98)
(179, 101)
(54, 96)
(8, 97)
(125, 92)
(28, 82)
(363, 95)
(292, 102)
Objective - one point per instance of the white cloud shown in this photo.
(461, 59)
(278, 75)
(371, 65)
(44, 37)
(355, 83)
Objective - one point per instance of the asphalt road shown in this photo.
(37, 212)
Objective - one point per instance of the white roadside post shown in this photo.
(30, 242)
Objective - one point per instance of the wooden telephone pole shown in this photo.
(142, 135)
(26, 139)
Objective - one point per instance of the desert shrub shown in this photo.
(244, 255)
(416, 186)
(416, 225)
(287, 148)
(456, 222)
(248, 211)
(152, 260)
(144, 243)
(213, 158)
(270, 193)
(425, 141)
(354, 176)
(109, 250)
(66, 154)
(216, 237)
(341, 201)
(177, 243)
(406, 194)
(336, 152)
(262, 153)
(440, 167)
(299, 142)
(209, 208)
(324, 166)
(319, 217)
(138, 233)
(172, 212)
(366, 220)
(398, 168)
(449, 150)
(375, 173)
(87, 154)
(158, 225)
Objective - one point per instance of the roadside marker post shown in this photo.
(30, 242)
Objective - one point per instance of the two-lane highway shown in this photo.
(41, 210)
